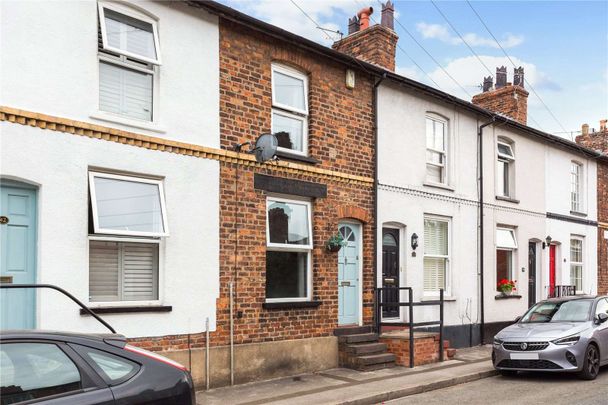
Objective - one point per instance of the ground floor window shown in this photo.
(436, 254)
(506, 245)
(576, 263)
(122, 271)
(288, 250)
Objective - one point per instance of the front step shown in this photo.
(365, 348)
(360, 350)
(352, 330)
(373, 359)
(358, 338)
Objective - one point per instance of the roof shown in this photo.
(233, 15)
(574, 298)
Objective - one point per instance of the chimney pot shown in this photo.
(363, 15)
(603, 125)
(388, 15)
(353, 25)
(501, 77)
(488, 83)
(518, 77)
(585, 129)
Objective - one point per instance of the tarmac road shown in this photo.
(528, 388)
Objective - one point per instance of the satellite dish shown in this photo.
(265, 147)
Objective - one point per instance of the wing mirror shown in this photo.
(602, 317)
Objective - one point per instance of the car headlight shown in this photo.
(497, 342)
(567, 341)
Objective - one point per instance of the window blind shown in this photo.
(125, 91)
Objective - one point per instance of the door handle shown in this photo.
(3, 220)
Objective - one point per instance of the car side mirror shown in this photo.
(517, 319)
(602, 317)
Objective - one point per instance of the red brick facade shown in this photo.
(376, 44)
(599, 141)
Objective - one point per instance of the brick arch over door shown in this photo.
(354, 212)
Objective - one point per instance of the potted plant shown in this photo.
(335, 243)
(506, 287)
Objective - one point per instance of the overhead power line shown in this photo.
(510, 60)
(311, 19)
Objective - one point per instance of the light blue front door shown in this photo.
(17, 256)
(348, 275)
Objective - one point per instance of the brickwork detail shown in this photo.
(599, 141)
(510, 100)
(376, 44)
(426, 349)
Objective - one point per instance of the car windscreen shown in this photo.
(559, 311)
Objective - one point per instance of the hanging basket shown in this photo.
(335, 243)
(333, 248)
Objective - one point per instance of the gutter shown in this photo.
(376, 183)
(481, 232)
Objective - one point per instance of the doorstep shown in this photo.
(346, 386)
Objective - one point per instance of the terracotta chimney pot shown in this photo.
(363, 15)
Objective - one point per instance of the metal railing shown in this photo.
(561, 291)
(410, 304)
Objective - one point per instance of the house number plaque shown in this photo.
(3, 220)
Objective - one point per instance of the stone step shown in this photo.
(365, 348)
(375, 359)
(352, 330)
(378, 366)
(358, 338)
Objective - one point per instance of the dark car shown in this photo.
(66, 368)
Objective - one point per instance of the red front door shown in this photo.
(551, 270)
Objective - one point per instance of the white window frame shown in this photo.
(289, 111)
(158, 182)
(576, 189)
(501, 159)
(138, 16)
(447, 276)
(511, 272)
(581, 264)
(443, 167)
(286, 247)
(160, 283)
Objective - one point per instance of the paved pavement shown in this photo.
(344, 386)
(528, 388)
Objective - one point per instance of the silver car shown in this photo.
(567, 334)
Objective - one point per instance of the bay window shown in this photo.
(436, 150)
(506, 246)
(129, 54)
(288, 250)
(576, 263)
(436, 254)
(128, 219)
(290, 109)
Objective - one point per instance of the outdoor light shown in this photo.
(414, 241)
(547, 241)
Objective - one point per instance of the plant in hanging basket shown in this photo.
(506, 286)
(335, 243)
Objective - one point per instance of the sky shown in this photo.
(563, 46)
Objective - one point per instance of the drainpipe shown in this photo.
(376, 182)
(481, 234)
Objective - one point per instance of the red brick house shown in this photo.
(598, 140)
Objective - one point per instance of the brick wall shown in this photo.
(426, 348)
(376, 44)
(599, 141)
(510, 100)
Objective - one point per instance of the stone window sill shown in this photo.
(291, 304)
(578, 214)
(507, 199)
(438, 185)
(128, 309)
(436, 298)
(507, 297)
(297, 158)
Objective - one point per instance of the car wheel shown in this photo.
(508, 373)
(591, 364)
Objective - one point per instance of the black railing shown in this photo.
(64, 292)
(410, 304)
(562, 291)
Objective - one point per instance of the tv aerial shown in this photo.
(264, 148)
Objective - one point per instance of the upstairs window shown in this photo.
(505, 164)
(436, 155)
(576, 174)
(290, 109)
(128, 55)
(576, 263)
(288, 252)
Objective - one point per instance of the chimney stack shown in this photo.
(505, 98)
(375, 44)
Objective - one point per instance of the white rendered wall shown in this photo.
(49, 64)
(58, 164)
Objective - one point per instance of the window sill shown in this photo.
(298, 158)
(291, 304)
(128, 309)
(438, 185)
(578, 214)
(507, 199)
(436, 298)
(507, 297)
(116, 119)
